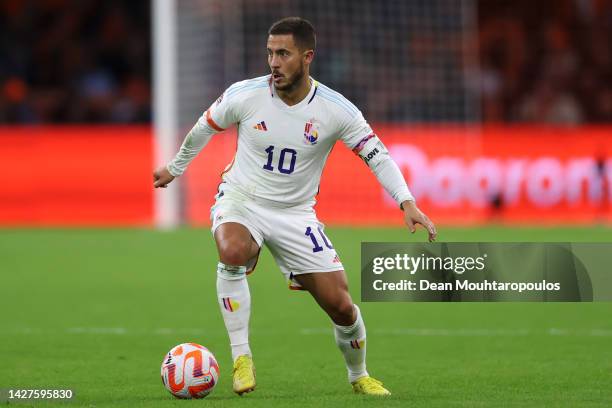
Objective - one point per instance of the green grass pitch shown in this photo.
(96, 310)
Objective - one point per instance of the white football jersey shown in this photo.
(282, 149)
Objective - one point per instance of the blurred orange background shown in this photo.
(100, 175)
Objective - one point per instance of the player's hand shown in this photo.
(413, 216)
(162, 177)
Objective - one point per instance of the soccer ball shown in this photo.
(189, 370)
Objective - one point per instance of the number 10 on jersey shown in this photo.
(282, 160)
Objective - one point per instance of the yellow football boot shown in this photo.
(243, 375)
(369, 386)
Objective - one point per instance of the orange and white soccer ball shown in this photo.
(190, 370)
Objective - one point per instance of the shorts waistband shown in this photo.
(225, 186)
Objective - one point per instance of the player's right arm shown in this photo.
(221, 115)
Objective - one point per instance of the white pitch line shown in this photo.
(472, 332)
(399, 331)
(96, 330)
(455, 332)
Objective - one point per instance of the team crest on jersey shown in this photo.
(311, 132)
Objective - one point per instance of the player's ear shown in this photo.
(308, 56)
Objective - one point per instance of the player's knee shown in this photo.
(234, 252)
(343, 312)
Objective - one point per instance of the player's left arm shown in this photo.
(374, 153)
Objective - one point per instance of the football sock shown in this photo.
(351, 341)
(235, 302)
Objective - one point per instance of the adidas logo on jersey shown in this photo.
(261, 126)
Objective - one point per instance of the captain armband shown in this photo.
(371, 150)
(374, 153)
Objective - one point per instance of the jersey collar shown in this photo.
(282, 105)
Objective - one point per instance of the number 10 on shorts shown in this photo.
(316, 247)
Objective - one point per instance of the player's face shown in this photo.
(287, 62)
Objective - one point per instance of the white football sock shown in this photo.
(351, 341)
(235, 302)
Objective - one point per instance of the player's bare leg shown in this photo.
(330, 291)
(235, 244)
(236, 248)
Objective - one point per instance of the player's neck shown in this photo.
(298, 93)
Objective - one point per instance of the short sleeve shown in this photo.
(355, 131)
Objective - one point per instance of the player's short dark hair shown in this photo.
(302, 30)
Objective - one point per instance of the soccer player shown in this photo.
(287, 125)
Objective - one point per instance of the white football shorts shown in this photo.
(294, 235)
